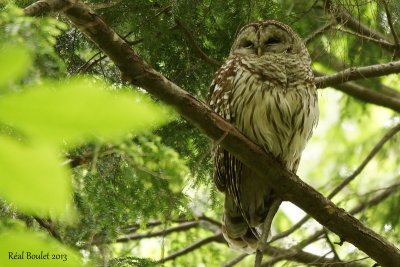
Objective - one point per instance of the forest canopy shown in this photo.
(106, 141)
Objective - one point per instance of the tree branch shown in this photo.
(49, 227)
(329, 80)
(266, 227)
(364, 163)
(346, 181)
(367, 95)
(292, 254)
(331, 245)
(392, 29)
(306, 258)
(385, 44)
(376, 199)
(351, 74)
(360, 207)
(163, 232)
(235, 260)
(319, 31)
(215, 238)
(342, 16)
(286, 184)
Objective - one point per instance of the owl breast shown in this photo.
(274, 104)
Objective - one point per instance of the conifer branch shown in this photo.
(193, 44)
(392, 29)
(348, 20)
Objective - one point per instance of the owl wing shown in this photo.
(226, 166)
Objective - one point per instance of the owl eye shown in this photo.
(248, 44)
(272, 41)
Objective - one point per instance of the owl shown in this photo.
(265, 89)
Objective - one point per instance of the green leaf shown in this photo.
(25, 245)
(33, 178)
(78, 110)
(14, 62)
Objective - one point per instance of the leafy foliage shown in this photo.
(39, 121)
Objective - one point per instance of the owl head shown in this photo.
(261, 38)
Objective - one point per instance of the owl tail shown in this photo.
(241, 227)
(236, 229)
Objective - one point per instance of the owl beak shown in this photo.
(259, 51)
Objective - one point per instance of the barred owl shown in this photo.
(266, 89)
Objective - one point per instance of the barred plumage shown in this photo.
(266, 89)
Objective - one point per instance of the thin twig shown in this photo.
(331, 245)
(380, 42)
(215, 238)
(278, 258)
(319, 31)
(48, 225)
(266, 227)
(193, 44)
(235, 260)
(210, 220)
(163, 232)
(87, 62)
(350, 22)
(85, 67)
(393, 131)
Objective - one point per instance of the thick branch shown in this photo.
(360, 207)
(367, 95)
(286, 184)
(358, 73)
